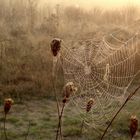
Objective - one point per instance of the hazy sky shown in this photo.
(91, 3)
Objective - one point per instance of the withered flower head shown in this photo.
(89, 104)
(55, 46)
(133, 125)
(69, 89)
(7, 104)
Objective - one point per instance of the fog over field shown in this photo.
(109, 4)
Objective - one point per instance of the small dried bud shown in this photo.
(89, 105)
(55, 46)
(64, 100)
(69, 89)
(7, 105)
(133, 125)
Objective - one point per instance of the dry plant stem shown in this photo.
(60, 122)
(128, 98)
(56, 98)
(6, 138)
(55, 94)
(58, 109)
(82, 125)
(57, 102)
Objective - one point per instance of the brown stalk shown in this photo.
(128, 98)
(57, 103)
(55, 48)
(55, 94)
(60, 122)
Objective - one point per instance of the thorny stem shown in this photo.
(128, 98)
(60, 122)
(5, 126)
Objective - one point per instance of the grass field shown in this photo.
(40, 116)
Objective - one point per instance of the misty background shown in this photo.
(105, 4)
(28, 26)
(26, 29)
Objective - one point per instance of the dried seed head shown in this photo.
(89, 104)
(64, 100)
(69, 89)
(7, 105)
(55, 46)
(133, 125)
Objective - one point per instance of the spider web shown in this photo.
(101, 71)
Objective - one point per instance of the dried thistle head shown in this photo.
(69, 89)
(55, 46)
(133, 125)
(7, 104)
(89, 104)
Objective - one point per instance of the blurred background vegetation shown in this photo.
(26, 30)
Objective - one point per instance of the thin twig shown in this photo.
(56, 98)
(57, 102)
(82, 125)
(59, 123)
(128, 98)
(53, 80)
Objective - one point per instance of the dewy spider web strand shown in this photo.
(86, 65)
